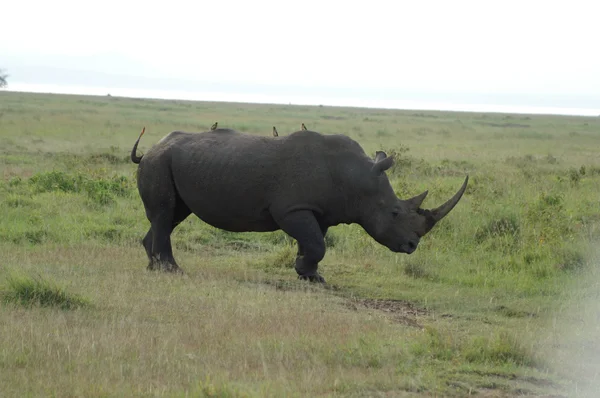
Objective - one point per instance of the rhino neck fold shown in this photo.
(342, 210)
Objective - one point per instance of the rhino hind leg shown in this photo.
(303, 226)
(162, 251)
(147, 243)
(157, 241)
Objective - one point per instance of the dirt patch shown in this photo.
(511, 376)
(297, 285)
(489, 393)
(510, 313)
(398, 310)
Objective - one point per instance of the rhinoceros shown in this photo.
(303, 184)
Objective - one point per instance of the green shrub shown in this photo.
(282, 258)
(500, 349)
(15, 181)
(401, 160)
(507, 225)
(436, 344)
(17, 201)
(56, 181)
(34, 290)
(570, 259)
(100, 191)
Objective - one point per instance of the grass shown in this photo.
(34, 290)
(500, 299)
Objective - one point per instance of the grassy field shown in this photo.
(500, 299)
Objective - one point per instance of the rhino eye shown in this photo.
(395, 213)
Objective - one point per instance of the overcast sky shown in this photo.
(458, 46)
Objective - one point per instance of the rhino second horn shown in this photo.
(416, 201)
(443, 210)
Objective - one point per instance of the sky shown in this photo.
(530, 51)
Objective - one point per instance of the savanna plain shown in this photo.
(500, 299)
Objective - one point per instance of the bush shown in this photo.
(498, 350)
(29, 291)
(436, 344)
(100, 191)
(17, 201)
(15, 181)
(282, 258)
(56, 181)
(571, 259)
(400, 158)
(502, 226)
(548, 217)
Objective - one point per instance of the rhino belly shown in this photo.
(228, 209)
(225, 187)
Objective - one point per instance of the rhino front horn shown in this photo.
(438, 213)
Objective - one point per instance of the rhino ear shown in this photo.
(382, 164)
(379, 155)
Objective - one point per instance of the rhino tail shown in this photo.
(134, 158)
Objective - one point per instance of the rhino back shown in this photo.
(239, 182)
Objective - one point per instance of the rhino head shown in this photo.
(395, 223)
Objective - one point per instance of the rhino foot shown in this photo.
(315, 278)
(165, 267)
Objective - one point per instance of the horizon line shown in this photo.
(296, 100)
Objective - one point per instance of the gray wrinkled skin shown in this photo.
(302, 183)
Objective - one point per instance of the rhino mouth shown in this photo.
(406, 248)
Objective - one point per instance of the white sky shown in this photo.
(525, 46)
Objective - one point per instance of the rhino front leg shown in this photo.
(303, 226)
(300, 252)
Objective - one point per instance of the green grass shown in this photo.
(28, 290)
(500, 299)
